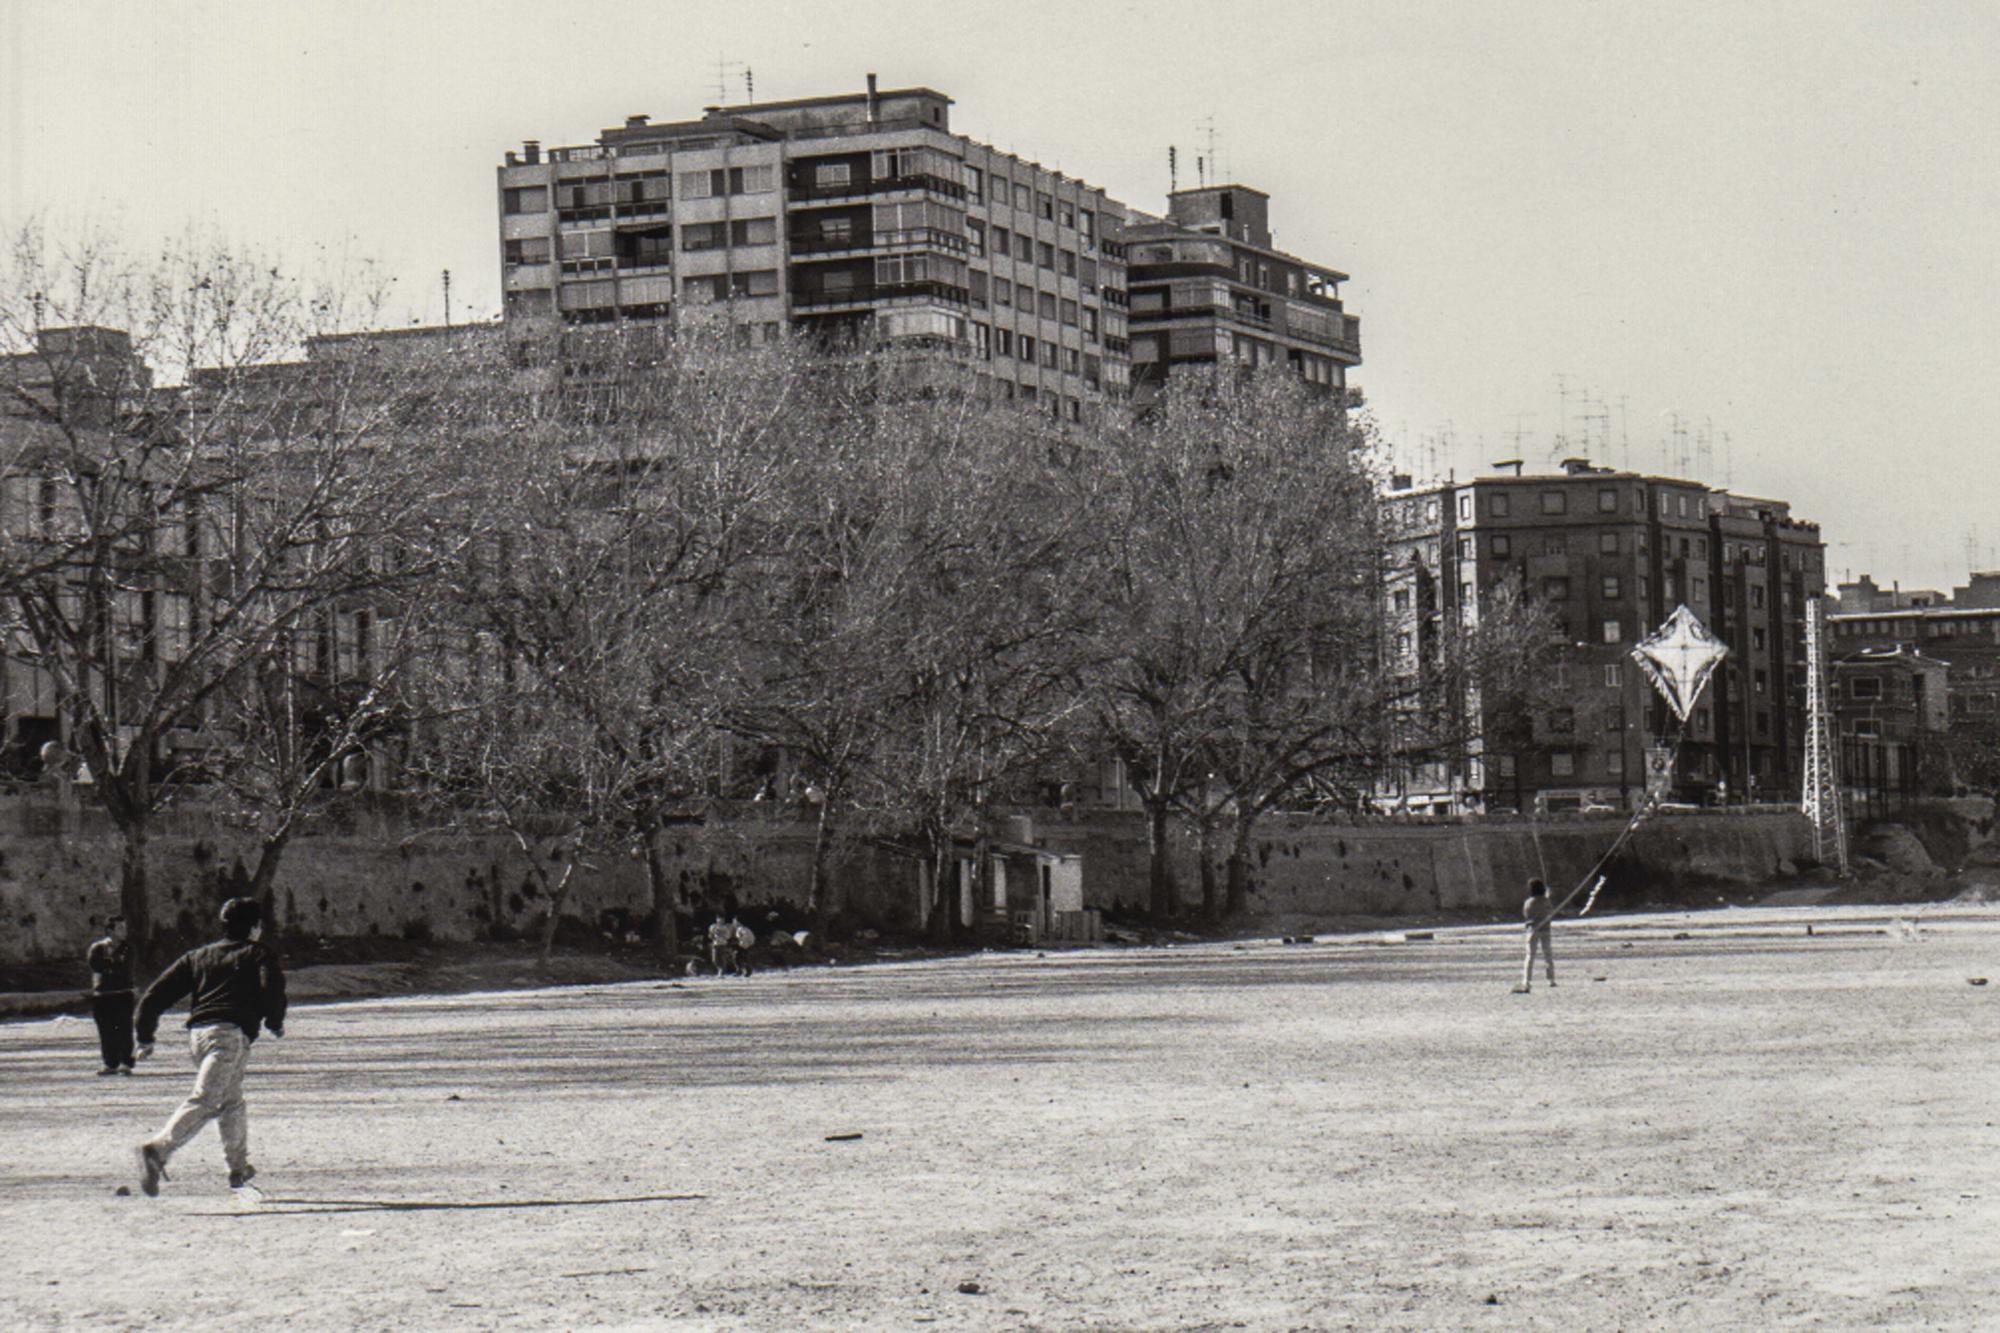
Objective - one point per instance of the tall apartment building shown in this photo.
(1610, 554)
(1208, 287)
(829, 214)
(1961, 630)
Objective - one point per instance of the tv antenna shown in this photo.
(724, 70)
(1205, 127)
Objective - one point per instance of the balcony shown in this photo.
(868, 294)
(921, 238)
(808, 193)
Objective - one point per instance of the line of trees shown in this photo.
(572, 590)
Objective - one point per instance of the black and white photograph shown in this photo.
(1307, 665)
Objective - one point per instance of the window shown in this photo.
(1003, 343)
(1757, 639)
(1700, 587)
(1045, 254)
(974, 185)
(1049, 351)
(1613, 589)
(1607, 543)
(1556, 589)
(1071, 360)
(1024, 198)
(1003, 292)
(1090, 323)
(982, 337)
(527, 250)
(1401, 599)
(1502, 546)
(756, 282)
(1465, 508)
(1045, 305)
(834, 173)
(1027, 346)
(704, 236)
(1497, 506)
(1865, 687)
(1505, 767)
(1066, 263)
(1068, 213)
(1614, 763)
(1024, 247)
(1867, 726)
(1086, 222)
(1562, 764)
(1555, 543)
(1465, 548)
(1607, 502)
(1614, 632)
(1763, 724)
(1045, 206)
(1555, 502)
(753, 231)
(975, 236)
(527, 199)
(1757, 596)
(1003, 243)
(1069, 313)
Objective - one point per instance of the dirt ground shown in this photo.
(1715, 1120)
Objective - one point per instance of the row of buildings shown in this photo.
(866, 213)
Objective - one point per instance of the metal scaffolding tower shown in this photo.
(1822, 784)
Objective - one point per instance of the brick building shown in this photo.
(1610, 554)
(1961, 630)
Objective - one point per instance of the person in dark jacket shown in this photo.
(110, 962)
(236, 985)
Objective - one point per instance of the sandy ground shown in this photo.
(1714, 1121)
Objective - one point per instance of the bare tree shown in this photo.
(163, 539)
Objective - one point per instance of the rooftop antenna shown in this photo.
(1520, 429)
(1560, 445)
(1704, 448)
(1624, 434)
(725, 67)
(1207, 127)
(1675, 445)
(1200, 170)
(1173, 169)
(1598, 413)
(447, 298)
(1728, 462)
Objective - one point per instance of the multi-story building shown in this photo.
(829, 214)
(1208, 287)
(1609, 555)
(1962, 631)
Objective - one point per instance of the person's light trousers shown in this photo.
(220, 1053)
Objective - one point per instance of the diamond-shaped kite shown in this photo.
(1679, 657)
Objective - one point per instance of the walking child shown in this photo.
(722, 945)
(1537, 913)
(110, 962)
(236, 985)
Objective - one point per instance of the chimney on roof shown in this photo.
(531, 151)
(634, 122)
(1400, 481)
(1577, 467)
(874, 102)
(1514, 463)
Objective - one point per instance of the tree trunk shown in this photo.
(944, 911)
(558, 896)
(662, 925)
(1163, 906)
(270, 852)
(134, 902)
(1239, 867)
(819, 893)
(1210, 890)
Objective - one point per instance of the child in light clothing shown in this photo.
(1536, 914)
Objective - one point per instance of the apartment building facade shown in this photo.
(1208, 287)
(830, 215)
(1961, 630)
(1609, 554)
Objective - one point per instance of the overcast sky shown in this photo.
(1775, 220)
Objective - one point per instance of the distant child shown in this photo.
(110, 962)
(1536, 914)
(746, 940)
(236, 985)
(722, 945)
